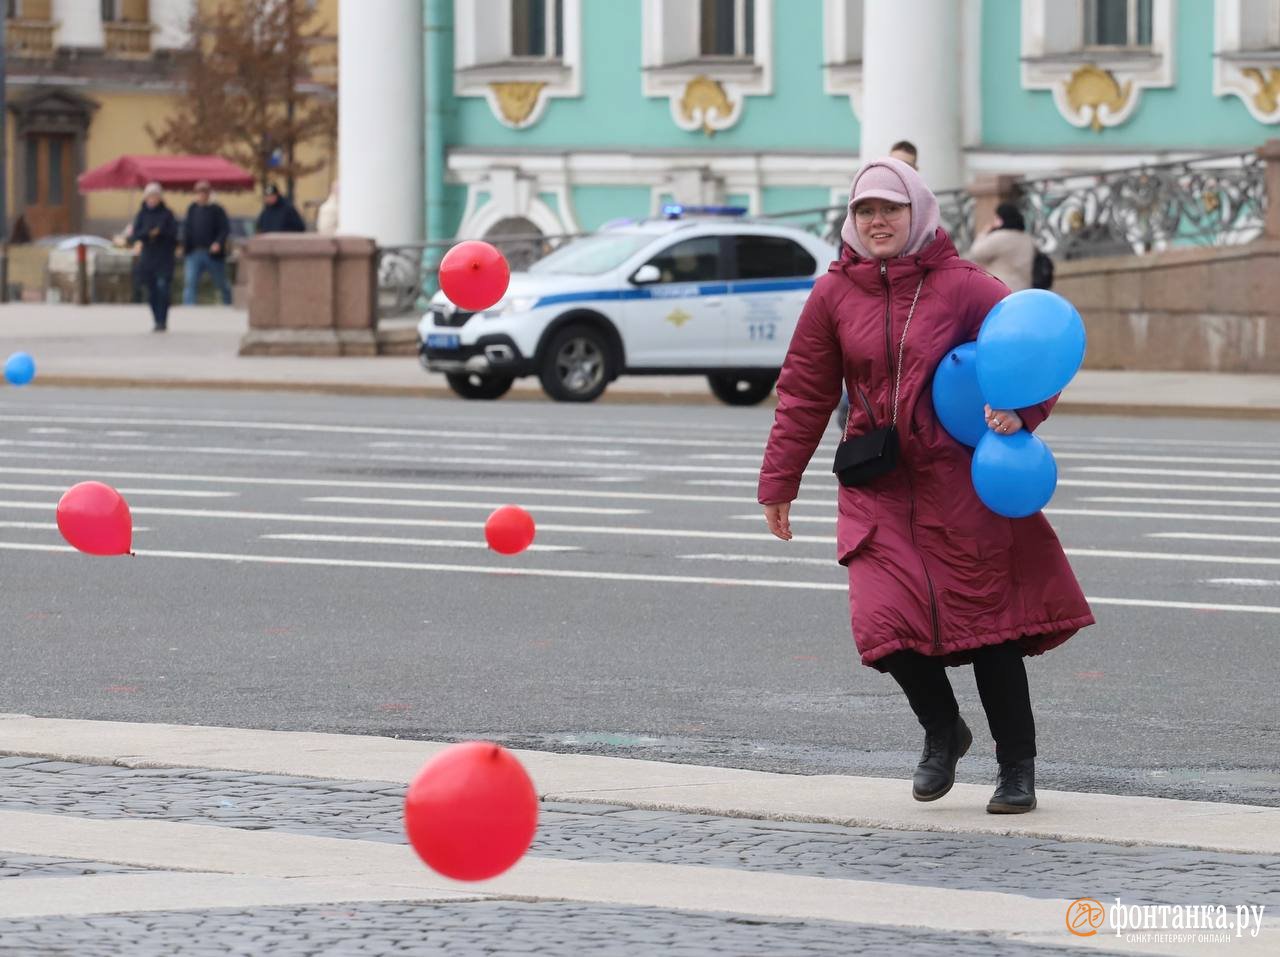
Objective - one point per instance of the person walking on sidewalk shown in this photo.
(155, 235)
(278, 214)
(204, 242)
(936, 580)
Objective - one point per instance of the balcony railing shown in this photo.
(126, 40)
(955, 209)
(29, 38)
(1213, 200)
(1209, 201)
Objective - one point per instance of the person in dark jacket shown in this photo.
(155, 235)
(278, 214)
(204, 241)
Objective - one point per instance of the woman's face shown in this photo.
(883, 226)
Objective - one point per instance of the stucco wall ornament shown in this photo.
(705, 103)
(1098, 90)
(516, 101)
(1267, 96)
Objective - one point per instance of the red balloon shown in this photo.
(95, 519)
(474, 275)
(509, 530)
(471, 812)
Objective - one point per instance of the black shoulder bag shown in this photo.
(862, 458)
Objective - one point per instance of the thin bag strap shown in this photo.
(897, 379)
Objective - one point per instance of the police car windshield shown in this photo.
(592, 255)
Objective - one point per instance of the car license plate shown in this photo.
(442, 341)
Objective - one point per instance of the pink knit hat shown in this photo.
(893, 180)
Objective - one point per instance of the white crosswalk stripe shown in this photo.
(420, 542)
(1105, 479)
(453, 503)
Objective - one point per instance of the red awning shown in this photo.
(171, 172)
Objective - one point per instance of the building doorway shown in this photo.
(51, 126)
(49, 185)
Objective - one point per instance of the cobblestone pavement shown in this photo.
(27, 865)
(479, 928)
(373, 811)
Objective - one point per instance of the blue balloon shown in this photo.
(956, 396)
(1030, 346)
(20, 368)
(1014, 475)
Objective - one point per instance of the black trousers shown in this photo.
(157, 282)
(1001, 676)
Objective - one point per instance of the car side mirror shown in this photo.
(646, 274)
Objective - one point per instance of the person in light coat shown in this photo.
(1005, 250)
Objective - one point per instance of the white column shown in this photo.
(380, 108)
(912, 84)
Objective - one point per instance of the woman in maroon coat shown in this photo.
(935, 578)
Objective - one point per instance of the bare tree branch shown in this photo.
(249, 88)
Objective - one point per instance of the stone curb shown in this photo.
(620, 396)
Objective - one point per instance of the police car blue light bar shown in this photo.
(676, 210)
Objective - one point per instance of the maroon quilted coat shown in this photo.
(931, 569)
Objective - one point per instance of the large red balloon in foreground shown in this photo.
(95, 519)
(474, 275)
(509, 530)
(471, 812)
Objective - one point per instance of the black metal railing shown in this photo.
(1207, 201)
(1210, 200)
(955, 208)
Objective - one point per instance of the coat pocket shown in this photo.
(852, 536)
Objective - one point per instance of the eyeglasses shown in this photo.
(888, 212)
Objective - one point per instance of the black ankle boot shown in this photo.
(1015, 788)
(937, 769)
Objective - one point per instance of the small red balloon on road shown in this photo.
(472, 811)
(509, 530)
(474, 275)
(95, 519)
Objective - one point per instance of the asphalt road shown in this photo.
(313, 562)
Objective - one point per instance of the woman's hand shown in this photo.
(1004, 421)
(779, 519)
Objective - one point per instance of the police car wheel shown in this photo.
(733, 389)
(575, 366)
(469, 385)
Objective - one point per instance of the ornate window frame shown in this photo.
(1096, 87)
(517, 89)
(842, 50)
(705, 93)
(1252, 75)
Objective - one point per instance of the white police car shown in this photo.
(701, 291)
